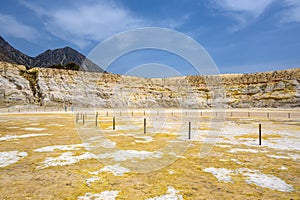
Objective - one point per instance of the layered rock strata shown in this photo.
(54, 87)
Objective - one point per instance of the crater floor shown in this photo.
(57, 156)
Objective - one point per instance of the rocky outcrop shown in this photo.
(54, 87)
(277, 89)
(14, 88)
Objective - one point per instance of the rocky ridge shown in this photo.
(12, 55)
(54, 87)
(46, 59)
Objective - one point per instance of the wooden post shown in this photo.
(144, 125)
(230, 114)
(268, 115)
(259, 132)
(106, 113)
(82, 119)
(189, 130)
(114, 123)
(132, 113)
(248, 114)
(289, 115)
(144, 113)
(201, 113)
(76, 117)
(96, 119)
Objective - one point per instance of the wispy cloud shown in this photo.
(242, 11)
(172, 23)
(292, 11)
(10, 26)
(87, 21)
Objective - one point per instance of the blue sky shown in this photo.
(241, 36)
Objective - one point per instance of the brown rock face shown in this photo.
(53, 87)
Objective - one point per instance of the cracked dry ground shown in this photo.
(44, 156)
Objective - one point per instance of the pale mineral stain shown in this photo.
(34, 129)
(122, 155)
(235, 150)
(221, 174)
(10, 157)
(264, 180)
(116, 170)
(106, 195)
(91, 180)
(66, 158)
(13, 137)
(70, 147)
(172, 194)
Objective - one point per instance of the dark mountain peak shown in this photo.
(63, 56)
(46, 59)
(12, 55)
(2, 40)
(68, 48)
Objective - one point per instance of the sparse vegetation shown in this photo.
(68, 66)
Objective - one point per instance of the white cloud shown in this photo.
(82, 24)
(10, 26)
(250, 7)
(173, 23)
(86, 22)
(292, 11)
(246, 11)
(242, 11)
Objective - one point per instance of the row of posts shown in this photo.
(34, 109)
(83, 116)
(172, 113)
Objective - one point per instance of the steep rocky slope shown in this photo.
(50, 57)
(12, 55)
(63, 56)
(53, 87)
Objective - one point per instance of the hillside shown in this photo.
(12, 55)
(54, 87)
(46, 59)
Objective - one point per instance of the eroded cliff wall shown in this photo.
(53, 87)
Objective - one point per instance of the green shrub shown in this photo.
(68, 66)
(72, 66)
